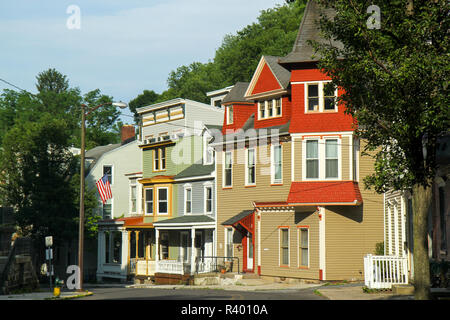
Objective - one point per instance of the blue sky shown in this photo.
(122, 47)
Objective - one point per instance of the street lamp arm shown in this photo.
(122, 105)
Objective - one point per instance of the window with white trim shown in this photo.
(331, 158)
(303, 248)
(229, 112)
(277, 164)
(159, 159)
(250, 167)
(163, 200)
(133, 196)
(208, 199)
(149, 201)
(108, 171)
(320, 97)
(270, 108)
(228, 169)
(312, 159)
(188, 200)
(208, 151)
(284, 246)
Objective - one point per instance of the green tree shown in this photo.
(101, 122)
(146, 98)
(273, 34)
(396, 81)
(35, 168)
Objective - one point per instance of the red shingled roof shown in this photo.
(333, 192)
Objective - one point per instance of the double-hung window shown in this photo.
(269, 109)
(331, 158)
(159, 159)
(108, 170)
(251, 167)
(284, 246)
(329, 98)
(228, 169)
(320, 97)
(188, 200)
(312, 159)
(262, 109)
(133, 193)
(303, 247)
(277, 164)
(149, 201)
(277, 107)
(163, 200)
(229, 114)
(313, 97)
(208, 199)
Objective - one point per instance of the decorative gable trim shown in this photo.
(249, 92)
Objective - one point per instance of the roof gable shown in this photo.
(269, 77)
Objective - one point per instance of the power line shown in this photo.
(13, 85)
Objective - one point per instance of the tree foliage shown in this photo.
(396, 82)
(39, 175)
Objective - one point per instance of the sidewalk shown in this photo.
(349, 291)
(45, 295)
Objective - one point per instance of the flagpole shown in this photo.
(82, 182)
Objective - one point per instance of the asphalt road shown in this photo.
(118, 293)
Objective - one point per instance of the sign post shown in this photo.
(49, 258)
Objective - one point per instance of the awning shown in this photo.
(324, 193)
(244, 218)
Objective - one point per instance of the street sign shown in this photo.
(49, 254)
(49, 241)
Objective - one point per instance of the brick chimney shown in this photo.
(128, 133)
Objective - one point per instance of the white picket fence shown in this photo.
(381, 272)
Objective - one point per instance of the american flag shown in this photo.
(104, 188)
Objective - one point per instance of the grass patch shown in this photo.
(372, 291)
(318, 293)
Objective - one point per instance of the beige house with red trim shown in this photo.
(290, 197)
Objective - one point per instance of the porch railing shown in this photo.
(216, 264)
(170, 266)
(381, 272)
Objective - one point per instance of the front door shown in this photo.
(249, 251)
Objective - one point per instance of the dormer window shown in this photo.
(320, 97)
(268, 109)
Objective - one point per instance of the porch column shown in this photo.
(137, 244)
(192, 250)
(124, 253)
(157, 246)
